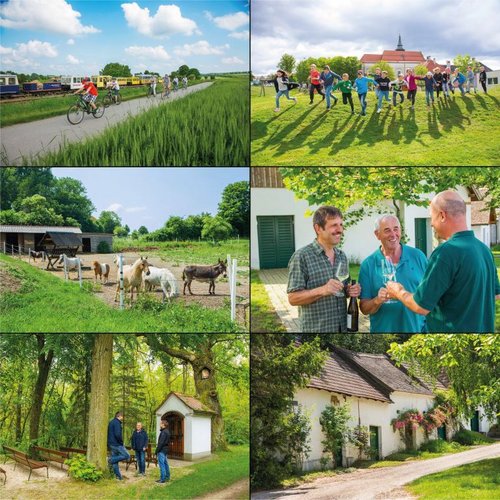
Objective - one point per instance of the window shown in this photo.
(493, 81)
(2, 80)
(12, 81)
(334, 400)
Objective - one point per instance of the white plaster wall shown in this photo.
(484, 423)
(173, 403)
(201, 428)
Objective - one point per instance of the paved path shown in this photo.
(275, 281)
(39, 137)
(367, 484)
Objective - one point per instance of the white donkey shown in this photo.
(161, 277)
(71, 262)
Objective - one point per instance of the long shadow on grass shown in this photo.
(329, 139)
(468, 103)
(349, 136)
(452, 117)
(259, 128)
(432, 124)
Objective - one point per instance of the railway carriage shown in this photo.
(9, 85)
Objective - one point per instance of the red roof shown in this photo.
(395, 56)
(431, 65)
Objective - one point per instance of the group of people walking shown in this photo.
(139, 443)
(437, 81)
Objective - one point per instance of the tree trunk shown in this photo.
(18, 411)
(44, 364)
(102, 356)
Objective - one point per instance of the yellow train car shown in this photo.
(100, 81)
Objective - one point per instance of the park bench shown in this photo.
(51, 455)
(132, 459)
(22, 458)
(4, 475)
(81, 451)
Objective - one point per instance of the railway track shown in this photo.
(27, 97)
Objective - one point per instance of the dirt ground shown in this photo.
(238, 490)
(107, 291)
(8, 283)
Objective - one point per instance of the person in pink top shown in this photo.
(411, 82)
(314, 78)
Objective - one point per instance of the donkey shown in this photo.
(204, 273)
(132, 277)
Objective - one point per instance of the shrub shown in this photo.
(470, 438)
(81, 469)
(440, 446)
(103, 247)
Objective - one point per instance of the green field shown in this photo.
(479, 480)
(207, 128)
(45, 107)
(40, 302)
(460, 131)
(224, 469)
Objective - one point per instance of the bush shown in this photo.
(440, 446)
(81, 469)
(470, 438)
(103, 247)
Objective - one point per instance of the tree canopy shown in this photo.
(287, 63)
(234, 206)
(116, 69)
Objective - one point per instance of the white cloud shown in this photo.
(56, 16)
(158, 52)
(201, 48)
(232, 60)
(167, 21)
(132, 210)
(72, 59)
(22, 53)
(70, 41)
(229, 22)
(240, 35)
(114, 207)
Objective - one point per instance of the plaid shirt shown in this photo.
(309, 268)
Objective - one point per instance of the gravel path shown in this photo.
(367, 484)
(39, 137)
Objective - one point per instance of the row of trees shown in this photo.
(58, 390)
(280, 366)
(117, 69)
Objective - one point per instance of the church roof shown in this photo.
(393, 56)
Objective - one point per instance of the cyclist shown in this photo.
(90, 92)
(114, 86)
(154, 81)
(166, 84)
(185, 82)
(176, 83)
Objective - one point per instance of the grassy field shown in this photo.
(201, 252)
(196, 480)
(264, 317)
(45, 107)
(206, 128)
(39, 302)
(479, 480)
(460, 131)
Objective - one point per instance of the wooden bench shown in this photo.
(22, 458)
(4, 475)
(49, 455)
(150, 457)
(81, 451)
(132, 459)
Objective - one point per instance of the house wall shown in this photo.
(175, 404)
(365, 411)
(201, 427)
(96, 238)
(484, 423)
(492, 78)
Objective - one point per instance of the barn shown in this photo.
(190, 426)
(14, 236)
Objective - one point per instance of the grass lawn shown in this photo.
(479, 480)
(264, 317)
(199, 479)
(45, 303)
(45, 107)
(459, 131)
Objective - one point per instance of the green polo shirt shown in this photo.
(310, 268)
(393, 317)
(459, 287)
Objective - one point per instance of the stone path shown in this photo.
(275, 282)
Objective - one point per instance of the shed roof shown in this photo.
(13, 228)
(191, 402)
(62, 239)
(480, 214)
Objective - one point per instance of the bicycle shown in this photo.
(165, 94)
(77, 111)
(111, 98)
(149, 92)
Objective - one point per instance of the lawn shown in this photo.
(479, 480)
(45, 303)
(460, 131)
(45, 107)
(196, 480)
(264, 317)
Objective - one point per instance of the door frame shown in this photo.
(175, 450)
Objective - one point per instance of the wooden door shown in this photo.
(176, 429)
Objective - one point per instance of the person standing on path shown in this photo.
(115, 444)
(139, 443)
(161, 452)
(312, 277)
(458, 291)
(482, 79)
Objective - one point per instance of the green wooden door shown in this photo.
(374, 442)
(421, 235)
(276, 240)
(474, 422)
(442, 432)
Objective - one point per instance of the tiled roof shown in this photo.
(342, 377)
(395, 56)
(191, 402)
(11, 228)
(480, 215)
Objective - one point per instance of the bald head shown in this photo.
(450, 202)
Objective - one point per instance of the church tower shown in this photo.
(400, 44)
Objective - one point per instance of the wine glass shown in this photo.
(388, 274)
(342, 274)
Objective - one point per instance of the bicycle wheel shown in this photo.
(107, 101)
(75, 114)
(99, 110)
(118, 99)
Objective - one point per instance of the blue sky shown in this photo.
(149, 196)
(81, 37)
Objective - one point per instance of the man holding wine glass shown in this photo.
(391, 261)
(318, 277)
(458, 291)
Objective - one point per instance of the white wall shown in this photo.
(484, 423)
(365, 411)
(201, 427)
(492, 74)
